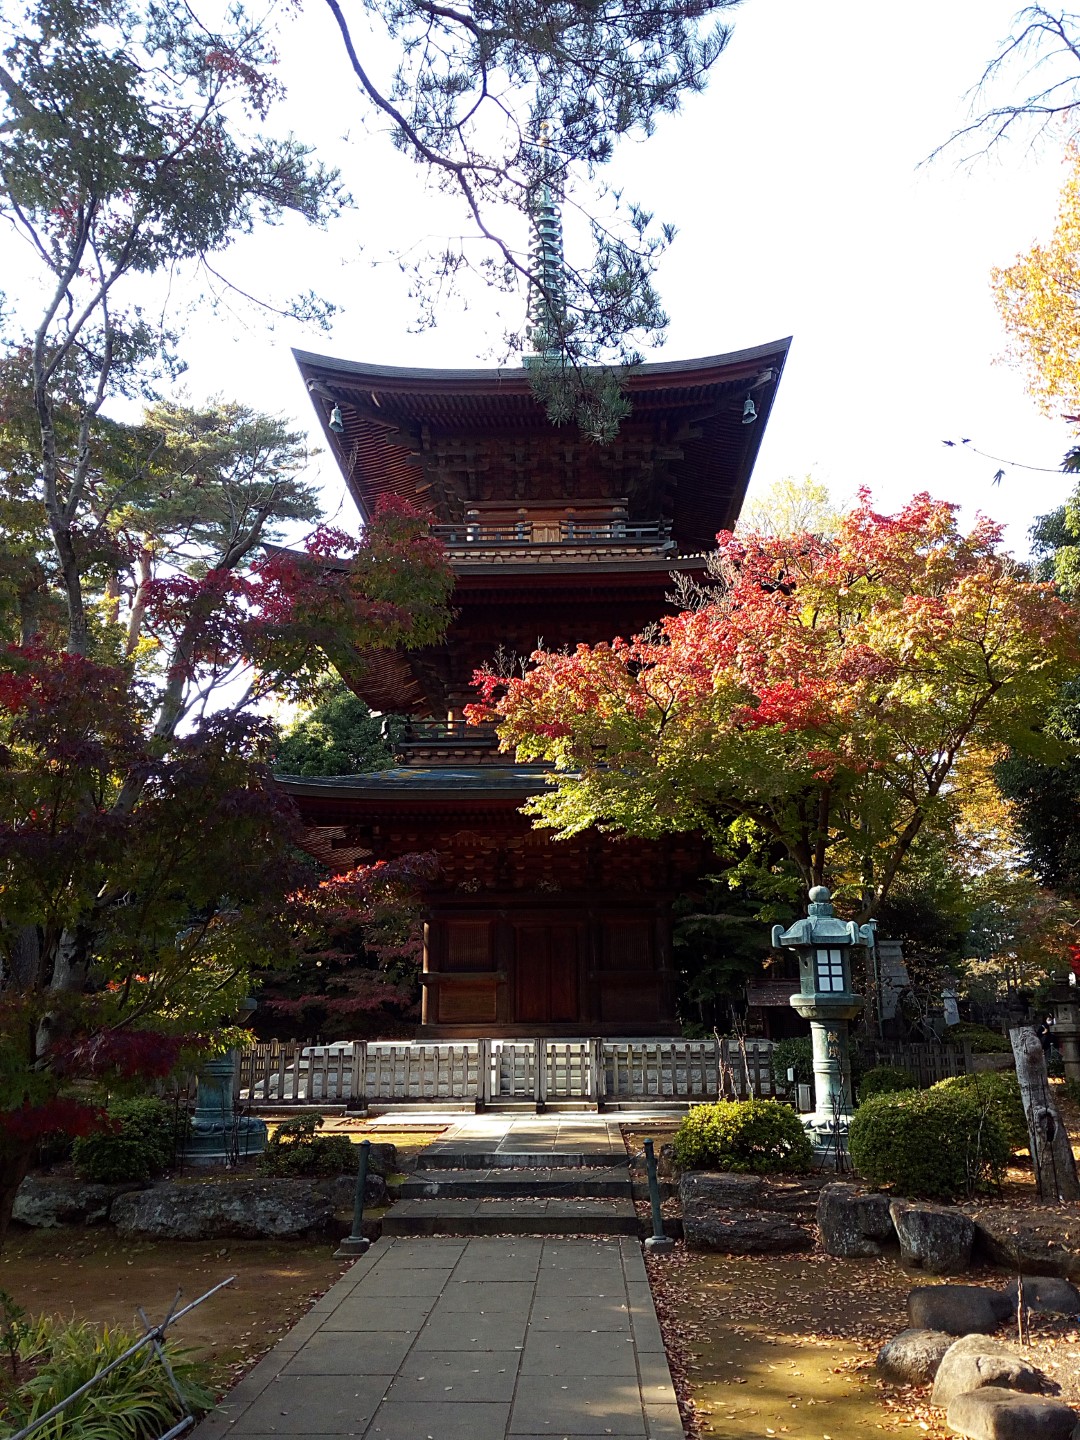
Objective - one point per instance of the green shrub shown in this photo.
(885, 1080)
(134, 1402)
(295, 1148)
(795, 1054)
(1071, 1091)
(936, 1144)
(981, 1038)
(143, 1140)
(998, 1094)
(760, 1136)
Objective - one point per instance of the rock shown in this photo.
(853, 1224)
(46, 1204)
(1034, 1241)
(343, 1191)
(935, 1238)
(724, 1189)
(753, 1232)
(958, 1309)
(382, 1158)
(995, 1414)
(228, 1209)
(974, 1361)
(913, 1356)
(1046, 1295)
(743, 1214)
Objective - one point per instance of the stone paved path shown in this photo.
(468, 1339)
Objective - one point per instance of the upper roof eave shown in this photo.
(518, 378)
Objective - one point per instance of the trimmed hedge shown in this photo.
(296, 1148)
(981, 1038)
(885, 1080)
(143, 1140)
(936, 1144)
(998, 1093)
(761, 1137)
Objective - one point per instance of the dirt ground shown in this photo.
(91, 1274)
(785, 1346)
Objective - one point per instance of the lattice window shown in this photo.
(830, 970)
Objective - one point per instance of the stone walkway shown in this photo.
(468, 1339)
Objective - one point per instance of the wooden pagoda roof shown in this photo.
(445, 439)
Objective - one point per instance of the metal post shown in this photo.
(356, 1244)
(658, 1243)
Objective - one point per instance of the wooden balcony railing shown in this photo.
(577, 531)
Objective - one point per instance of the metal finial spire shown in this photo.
(547, 288)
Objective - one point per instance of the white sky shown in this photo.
(794, 184)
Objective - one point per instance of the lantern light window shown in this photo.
(830, 970)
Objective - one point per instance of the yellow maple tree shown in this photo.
(1038, 297)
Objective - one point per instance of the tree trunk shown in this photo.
(1051, 1150)
(14, 1163)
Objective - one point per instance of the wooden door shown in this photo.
(546, 972)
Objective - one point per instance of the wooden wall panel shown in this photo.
(469, 945)
(467, 1002)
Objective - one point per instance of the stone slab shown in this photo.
(343, 1352)
(523, 1216)
(314, 1405)
(440, 1376)
(400, 1420)
(568, 1405)
(400, 1350)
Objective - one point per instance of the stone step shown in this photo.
(464, 1156)
(567, 1182)
(512, 1217)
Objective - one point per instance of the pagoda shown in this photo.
(554, 540)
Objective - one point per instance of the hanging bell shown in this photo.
(337, 424)
(749, 412)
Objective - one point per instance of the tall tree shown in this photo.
(510, 106)
(824, 698)
(1037, 297)
(123, 155)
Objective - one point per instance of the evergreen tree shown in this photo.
(338, 736)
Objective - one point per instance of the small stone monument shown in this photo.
(825, 998)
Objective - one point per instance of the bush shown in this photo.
(143, 1140)
(796, 1054)
(885, 1080)
(295, 1148)
(936, 1144)
(981, 1038)
(134, 1402)
(998, 1093)
(759, 1136)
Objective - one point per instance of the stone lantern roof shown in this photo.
(821, 927)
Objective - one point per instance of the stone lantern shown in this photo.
(1065, 999)
(218, 1134)
(823, 944)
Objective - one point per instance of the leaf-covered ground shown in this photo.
(775, 1346)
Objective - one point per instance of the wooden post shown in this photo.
(483, 1074)
(598, 1090)
(1051, 1152)
(358, 1099)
